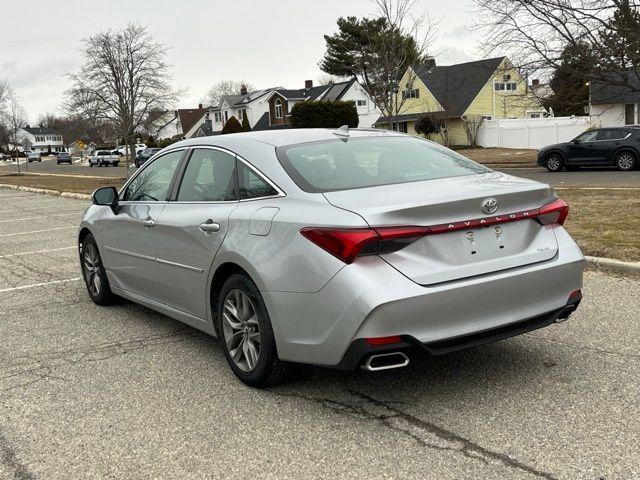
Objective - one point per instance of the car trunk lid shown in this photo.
(468, 242)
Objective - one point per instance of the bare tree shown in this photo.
(471, 125)
(15, 119)
(123, 78)
(225, 87)
(534, 34)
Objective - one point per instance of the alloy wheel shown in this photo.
(91, 262)
(625, 161)
(554, 163)
(241, 330)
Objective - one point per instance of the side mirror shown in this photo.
(106, 196)
(575, 140)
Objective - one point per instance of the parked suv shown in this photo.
(618, 147)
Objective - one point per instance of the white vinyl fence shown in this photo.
(530, 132)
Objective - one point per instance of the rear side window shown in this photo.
(209, 177)
(251, 185)
(368, 162)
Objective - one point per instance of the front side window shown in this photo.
(587, 136)
(251, 185)
(368, 162)
(153, 182)
(209, 177)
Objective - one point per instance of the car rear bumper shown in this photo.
(370, 299)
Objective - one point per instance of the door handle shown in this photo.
(149, 223)
(209, 226)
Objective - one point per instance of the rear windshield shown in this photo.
(368, 162)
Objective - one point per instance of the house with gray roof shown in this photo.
(270, 108)
(485, 89)
(40, 139)
(616, 102)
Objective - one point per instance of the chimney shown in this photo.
(430, 63)
(535, 82)
(308, 84)
(199, 106)
(243, 89)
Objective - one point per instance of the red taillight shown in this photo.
(347, 243)
(554, 212)
(383, 340)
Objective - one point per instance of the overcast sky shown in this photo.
(266, 42)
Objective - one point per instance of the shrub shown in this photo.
(323, 114)
(245, 123)
(232, 126)
(165, 142)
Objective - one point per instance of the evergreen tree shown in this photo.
(232, 126)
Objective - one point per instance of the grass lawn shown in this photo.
(501, 156)
(605, 223)
(61, 184)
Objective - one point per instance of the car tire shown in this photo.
(90, 164)
(115, 164)
(625, 161)
(247, 336)
(554, 162)
(94, 274)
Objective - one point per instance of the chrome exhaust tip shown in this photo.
(385, 361)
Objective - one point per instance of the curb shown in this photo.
(613, 266)
(80, 196)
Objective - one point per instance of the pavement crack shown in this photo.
(9, 459)
(426, 434)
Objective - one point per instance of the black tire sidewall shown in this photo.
(105, 296)
(268, 360)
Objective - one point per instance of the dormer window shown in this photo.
(278, 108)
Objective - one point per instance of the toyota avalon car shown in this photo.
(340, 248)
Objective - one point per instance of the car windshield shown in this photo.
(373, 161)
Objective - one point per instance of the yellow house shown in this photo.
(460, 93)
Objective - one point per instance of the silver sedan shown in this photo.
(349, 249)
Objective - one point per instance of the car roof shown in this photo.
(287, 136)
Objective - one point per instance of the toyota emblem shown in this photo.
(490, 205)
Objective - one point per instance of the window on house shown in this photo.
(400, 127)
(411, 93)
(240, 114)
(506, 77)
(278, 107)
(362, 103)
(217, 117)
(535, 115)
(226, 116)
(629, 113)
(509, 86)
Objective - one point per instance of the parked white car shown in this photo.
(104, 158)
(122, 149)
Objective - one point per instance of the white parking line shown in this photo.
(33, 285)
(35, 231)
(42, 216)
(36, 251)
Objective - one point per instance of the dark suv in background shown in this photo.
(619, 147)
(145, 155)
(64, 157)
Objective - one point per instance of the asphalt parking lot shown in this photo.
(123, 392)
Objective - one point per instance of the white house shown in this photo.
(40, 139)
(181, 123)
(270, 108)
(615, 105)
